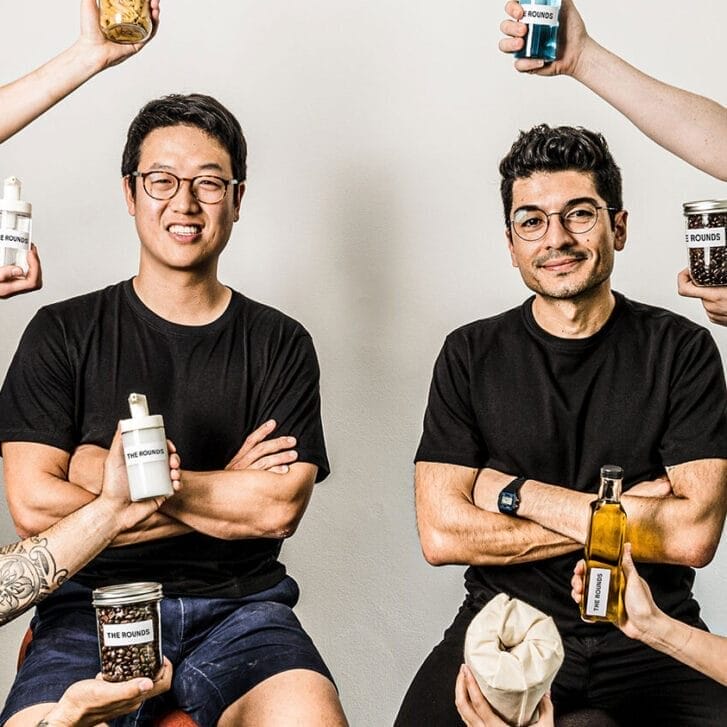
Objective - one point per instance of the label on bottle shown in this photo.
(707, 237)
(540, 14)
(140, 632)
(143, 453)
(16, 239)
(598, 588)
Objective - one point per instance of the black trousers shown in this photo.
(634, 684)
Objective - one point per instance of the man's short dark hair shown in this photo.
(559, 149)
(195, 109)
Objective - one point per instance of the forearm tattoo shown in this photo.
(28, 573)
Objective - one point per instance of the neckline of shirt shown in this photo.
(180, 329)
(571, 345)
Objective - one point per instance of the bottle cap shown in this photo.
(140, 417)
(612, 472)
(11, 201)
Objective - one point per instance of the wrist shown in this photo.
(87, 58)
(60, 716)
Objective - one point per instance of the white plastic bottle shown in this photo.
(15, 223)
(145, 451)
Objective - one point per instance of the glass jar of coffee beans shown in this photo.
(129, 630)
(706, 238)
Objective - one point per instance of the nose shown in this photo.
(184, 201)
(556, 236)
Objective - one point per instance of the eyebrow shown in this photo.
(576, 200)
(209, 166)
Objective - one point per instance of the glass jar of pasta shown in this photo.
(125, 21)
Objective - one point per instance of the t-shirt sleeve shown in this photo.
(36, 400)
(451, 432)
(697, 422)
(291, 396)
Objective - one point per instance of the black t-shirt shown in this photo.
(79, 360)
(645, 392)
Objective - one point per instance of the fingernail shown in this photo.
(290, 440)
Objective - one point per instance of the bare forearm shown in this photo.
(487, 539)
(691, 126)
(155, 527)
(36, 566)
(699, 649)
(28, 97)
(243, 503)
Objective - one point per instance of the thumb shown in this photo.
(627, 562)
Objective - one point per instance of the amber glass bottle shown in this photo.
(604, 583)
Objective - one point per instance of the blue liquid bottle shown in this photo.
(541, 17)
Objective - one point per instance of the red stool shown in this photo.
(175, 718)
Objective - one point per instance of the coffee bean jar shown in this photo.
(706, 238)
(129, 630)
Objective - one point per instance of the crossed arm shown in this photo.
(263, 492)
(459, 521)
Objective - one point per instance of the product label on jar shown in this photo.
(140, 632)
(540, 14)
(142, 453)
(16, 239)
(707, 237)
(597, 596)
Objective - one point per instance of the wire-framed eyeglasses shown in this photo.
(205, 188)
(580, 216)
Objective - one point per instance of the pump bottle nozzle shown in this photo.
(138, 406)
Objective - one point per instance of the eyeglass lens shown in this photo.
(164, 185)
(532, 224)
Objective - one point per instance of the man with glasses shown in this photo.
(225, 372)
(524, 409)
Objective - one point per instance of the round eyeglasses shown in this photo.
(531, 223)
(164, 185)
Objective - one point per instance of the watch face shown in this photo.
(508, 502)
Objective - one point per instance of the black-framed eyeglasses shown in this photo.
(205, 188)
(531, 223)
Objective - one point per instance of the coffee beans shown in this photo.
(707, 222)
(123, 661)
(129, 630)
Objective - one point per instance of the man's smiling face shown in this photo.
(563, 264)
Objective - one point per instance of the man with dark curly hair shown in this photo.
(524, 409)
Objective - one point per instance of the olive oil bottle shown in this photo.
(604, 582)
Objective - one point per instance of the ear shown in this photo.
(126, 183)
(508, 237)
(239, 194)
(619, 229)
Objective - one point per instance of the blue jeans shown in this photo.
(220, 648)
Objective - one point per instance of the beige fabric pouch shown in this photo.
(514, 651)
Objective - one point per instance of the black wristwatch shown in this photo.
(508, 501)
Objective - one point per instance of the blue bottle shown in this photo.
(541, 17)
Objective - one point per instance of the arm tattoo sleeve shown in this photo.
(28, 573)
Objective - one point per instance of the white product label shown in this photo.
(707, 237)
(141, 632)
(143, 453)
(16, 239)
(597, 596)
(540, 14)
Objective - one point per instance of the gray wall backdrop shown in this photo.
(373, 216)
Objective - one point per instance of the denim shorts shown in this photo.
(220, 648)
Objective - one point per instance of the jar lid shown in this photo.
(705, 205)
(124, 593)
